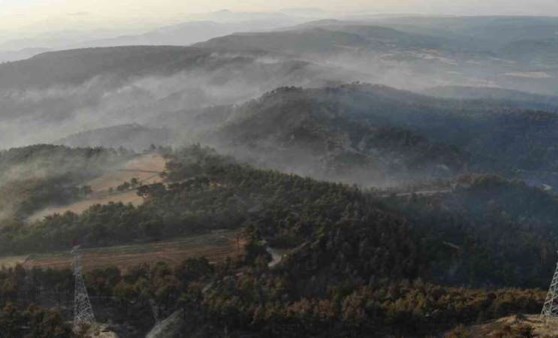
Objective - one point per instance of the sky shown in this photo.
(20, 17)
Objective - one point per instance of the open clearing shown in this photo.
(146, 168)
(216, 247)
(10, 262)
(539, 326)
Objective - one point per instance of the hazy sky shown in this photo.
(24, 16)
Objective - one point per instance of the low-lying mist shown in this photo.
(32, 116)
(197, 97)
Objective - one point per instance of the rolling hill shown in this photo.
(513, 98)
(318, 133)
(483, 33)
(74, 67)
(191, 32)
(388, 131)
(59, 93)
(380, 258)
(322, 40)
(422, 51)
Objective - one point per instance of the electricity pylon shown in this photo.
(550, 307)
(83, 311)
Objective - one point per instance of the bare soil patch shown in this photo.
(216, 247)
(145, 168)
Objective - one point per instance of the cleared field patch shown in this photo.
(10, 262)
(540, 327)
(216, 247)
(146, 169)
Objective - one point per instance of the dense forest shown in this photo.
(455, 238)
(498, 232)
(358, 263)
(379, 136)
(245, 298)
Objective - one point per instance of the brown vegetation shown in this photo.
(146, 169)
(216, 247)
(519, 326)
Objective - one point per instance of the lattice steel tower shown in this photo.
(550, 308)
(83, 311)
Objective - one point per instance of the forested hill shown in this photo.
(355, 262)
(120, 64)
(73, 67)
(337, 230)
(318, 133)
(488, 95)
(515, 223)
(60, 93)
(394, 132)
(323, 40)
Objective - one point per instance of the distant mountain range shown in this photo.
(405, 52)
(187, 33)
(410, 52)
(195, 28)
(6, 56)
(512, 97)
(353, 132)
(58, 93)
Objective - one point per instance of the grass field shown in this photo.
(215, 246)
(10, 262)
(540, 327)
(145, 168)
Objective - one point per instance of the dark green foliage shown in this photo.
(396, 133)
(252, 300)
(381, 309)
(338, 234)
(351, 256)
(489, 231)
(33, 322)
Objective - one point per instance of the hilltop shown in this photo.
(374, 134)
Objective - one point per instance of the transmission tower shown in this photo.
(154, 310)
(550, 308)
(83, 311)
(28, 293)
